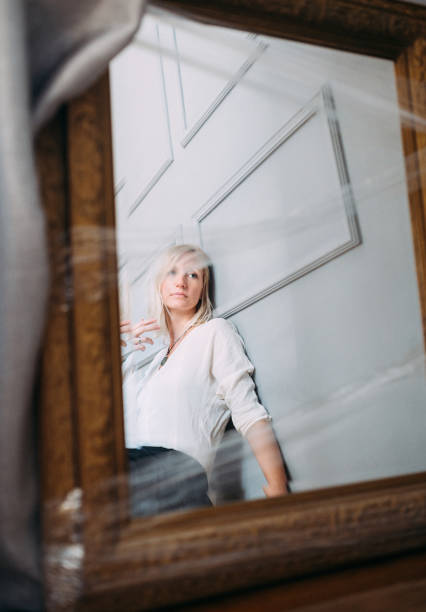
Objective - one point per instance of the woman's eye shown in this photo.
(193, 275)
(171, 272)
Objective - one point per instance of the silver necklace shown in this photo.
(166, 356)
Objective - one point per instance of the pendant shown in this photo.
(163, 361)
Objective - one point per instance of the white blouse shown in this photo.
(186, 404)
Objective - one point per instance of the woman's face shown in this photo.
(182, 286)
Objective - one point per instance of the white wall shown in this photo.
(338, 353)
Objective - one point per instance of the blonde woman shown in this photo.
(176, 414)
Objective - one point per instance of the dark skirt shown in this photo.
(165, 480)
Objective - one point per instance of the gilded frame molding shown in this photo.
(121, 563)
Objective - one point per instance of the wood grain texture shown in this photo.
(411, 82)
(59, 456)
(124, 564)
(56, 388)
(376, 27)
(392, 585)
(175, 559)
(80, 399)
(96, 350)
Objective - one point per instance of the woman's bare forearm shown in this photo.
(265, 447)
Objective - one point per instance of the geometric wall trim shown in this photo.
(170, 155)
(342, 239)
(229, 86)
(173, 238)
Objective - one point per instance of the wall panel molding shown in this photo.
(225, 91)
(323, 100)
(165, 165)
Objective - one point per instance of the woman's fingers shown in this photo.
(144, 326)
(145, 322)
(125, 327)
(141, 340)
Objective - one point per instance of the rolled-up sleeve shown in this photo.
(232, 370)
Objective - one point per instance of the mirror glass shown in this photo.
(284, 163)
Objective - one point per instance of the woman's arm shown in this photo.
(232, 370)
(268, 454)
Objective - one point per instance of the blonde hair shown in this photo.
(158, 270)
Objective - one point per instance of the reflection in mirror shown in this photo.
(282, 165)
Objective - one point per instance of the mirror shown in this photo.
(284, 163)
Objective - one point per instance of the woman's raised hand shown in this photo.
(140, 329)
(138, 332)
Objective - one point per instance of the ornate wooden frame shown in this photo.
(96, 556)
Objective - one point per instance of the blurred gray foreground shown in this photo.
(50, 51)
